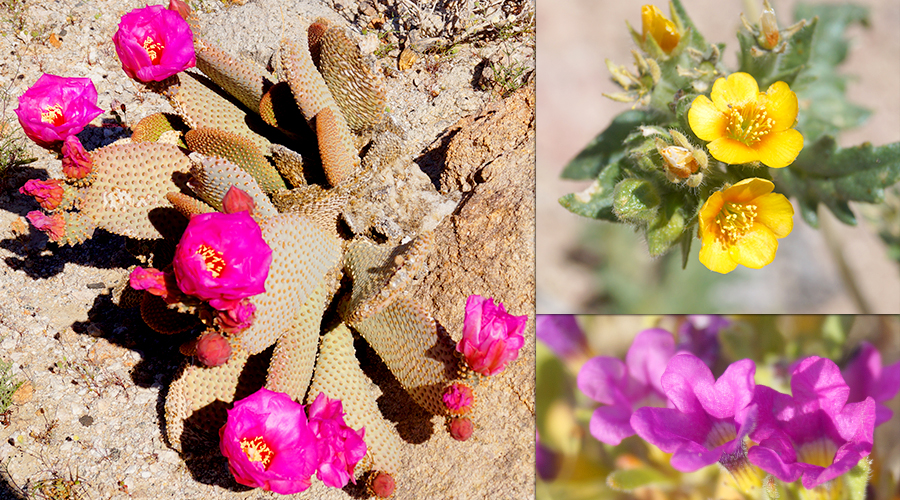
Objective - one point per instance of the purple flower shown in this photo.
(547, 462)
(56, 107)
(491, 336)
(815, 435)
(625, 386)
(340, 447)
(222, 258)
(699, 334)
(710, 417)
(562, 334)
(866, 377)
(269, 443)
(154, 43)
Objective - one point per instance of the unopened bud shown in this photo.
(180, 7)
(213, 349)
(461, 428)
(769, 25)
(382, 485)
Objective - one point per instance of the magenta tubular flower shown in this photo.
(54, 225)
(622, 387)
(561, 333)
(56, 107)
(154, 43)
(699, 335)
(238, 318)
(866, 377)
(222, 258)
(339, 447)
(815, 435)
(491, 337)
(76, 162)
(47, 193)
(710, 418)
(269, 443)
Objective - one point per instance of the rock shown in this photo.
(23, 394)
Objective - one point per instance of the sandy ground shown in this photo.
(576, 36)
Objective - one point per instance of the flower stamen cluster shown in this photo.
(257, 450)
(735, 220)
(53, 115)
(212, 259)
(749, 124)
(154, 50)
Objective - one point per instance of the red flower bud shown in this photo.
(213, 349)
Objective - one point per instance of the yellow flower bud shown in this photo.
(661, 28)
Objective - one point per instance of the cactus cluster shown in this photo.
(235, 126)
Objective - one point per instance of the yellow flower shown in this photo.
(745, 125)
(741, 225)
(662, 29)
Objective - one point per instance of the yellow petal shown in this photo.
(781, 106)
(730, 151)
(748, 190)
(755, 249)
(738, 90)
(662, 29)
(710, 210)
(706, 120)
(779, 149)
(714, 254)
(775, 212)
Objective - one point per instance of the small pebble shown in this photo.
(86, 420)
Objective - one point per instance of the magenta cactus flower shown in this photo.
(709, 419)
(339, 447)
(48, 193)
(269, 443)
(238, 318)
(623, 387)
(866, 377)
(154, 43)
(56, 107)
(159, 283)
(561, 333)
(222, 258)
(491, 337)
(458, 398)
(814, 435)
(76, 162)
(54, 225)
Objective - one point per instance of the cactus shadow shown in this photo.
(103, 251)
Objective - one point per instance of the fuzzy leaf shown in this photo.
(596, 201)
(824, 173)
(608, 146)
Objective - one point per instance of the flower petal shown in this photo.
(779, 149)
(775, 212)
(748, 190)
(707, 122)
(728, 150)
(781, 106)
(610, 424)
(755, 249)
(738, 90)
(715, 255)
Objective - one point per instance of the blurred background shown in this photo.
(573, 465)
(588, 266)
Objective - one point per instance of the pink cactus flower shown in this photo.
(237, 200)
(154, 43)
(56, 107)
(269, 443)
(53, 225)
(76, 162)
(47, 193)
(213, 349)
(491, 337)
(238, 318)
(339, 447)
(222, 258)
(458, 398)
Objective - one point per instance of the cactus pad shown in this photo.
(243, 79)
(151, 127)
(239, 150)
(212, 177)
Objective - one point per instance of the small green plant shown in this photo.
(13, 12)
(8, 385)
(13, 152)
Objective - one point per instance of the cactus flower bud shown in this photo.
(154, 43)
(461, 428)
(156, 282)
(491, 337)
(458, 399)
(47, 193)
(56, 107)
(181, 7)
(237, 200)
(76, 162)
(213, 349)
(382, 485)
(237, 318)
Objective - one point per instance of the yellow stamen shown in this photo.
(749, 124)
(735, 220)
(212, 259)
(154, 50)
(257, 450)
(53, 115)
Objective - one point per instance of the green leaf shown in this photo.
(824, 173)
(608, 146)
(629, 479)
(596, 201)
(636, 201)
(666, 231)
(829, 44)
